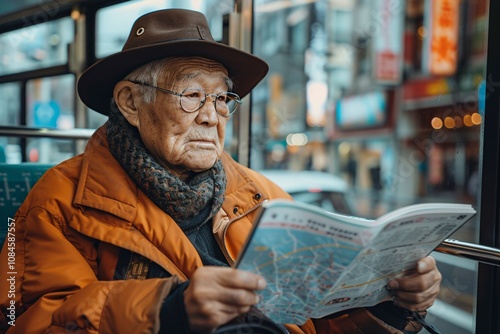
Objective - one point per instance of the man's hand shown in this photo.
(216, 295)
(417, 291)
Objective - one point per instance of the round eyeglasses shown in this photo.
(192, 99)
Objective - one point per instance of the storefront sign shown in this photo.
(361, 111)
(425, 88)
(388, 41)
(45, 114)
(442, 23)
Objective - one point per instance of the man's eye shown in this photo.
(192, 94)
(222, 98)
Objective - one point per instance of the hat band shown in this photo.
(204, 34)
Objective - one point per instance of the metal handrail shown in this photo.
(479, 253)
(24, 131)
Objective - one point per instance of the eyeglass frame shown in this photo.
(202, 102)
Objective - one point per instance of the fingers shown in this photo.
(418, 291)
(426, 264)
(239, 279)
(216, 295)
(417, 300)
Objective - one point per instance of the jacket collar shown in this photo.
(103, 184)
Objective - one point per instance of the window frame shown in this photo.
(488, 289)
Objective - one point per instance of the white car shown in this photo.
(313, 187)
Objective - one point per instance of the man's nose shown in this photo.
(213, 99)
(211, 113)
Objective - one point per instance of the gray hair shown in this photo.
(148, 73)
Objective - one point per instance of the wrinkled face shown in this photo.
(183, 142)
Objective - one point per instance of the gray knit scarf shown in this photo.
(190, 204)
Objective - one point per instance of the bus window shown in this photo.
(10, 108)
(50, 104)
(387, 96)
(113, 23)
(37, 46)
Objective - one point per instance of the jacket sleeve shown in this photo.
(54, 288)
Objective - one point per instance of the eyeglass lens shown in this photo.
(225, 103)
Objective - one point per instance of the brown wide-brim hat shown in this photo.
(162, 34)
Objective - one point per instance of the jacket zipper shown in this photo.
(230, 260)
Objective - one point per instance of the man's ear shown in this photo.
(124, 95)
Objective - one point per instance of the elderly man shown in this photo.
(138, 234)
